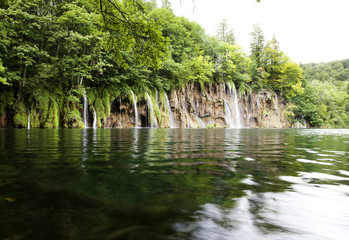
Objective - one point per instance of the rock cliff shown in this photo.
(195, 106)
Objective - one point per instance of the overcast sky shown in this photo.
(307, 30)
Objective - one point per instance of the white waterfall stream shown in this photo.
(276, 102)
(28, 119)
(152, 119)
(228, 114)
(135, 109)
(85, 109)
(232, 109)
(170, 114)
(94, 119)
(236, 110)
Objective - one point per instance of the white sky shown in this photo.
(307, 30)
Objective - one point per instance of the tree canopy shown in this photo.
(52, 52)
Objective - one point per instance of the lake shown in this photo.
(174, 184)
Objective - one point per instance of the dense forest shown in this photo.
(53, 52)
(325, 102)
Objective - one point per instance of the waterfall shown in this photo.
(231, 108)
(237, 110)
(152, 119)
(85, 109)
(28, 119)
(157, 97)
(228, 114)
(172, 121)
(135, 109)
(95, 119)
(276, 102)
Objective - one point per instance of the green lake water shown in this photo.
(174, 184)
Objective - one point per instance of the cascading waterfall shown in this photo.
(237, 109)
(94, 119)
(157, 97)
(152, 119)
(228, 114)
(276, 102)
(170, 114)
(232, 109)
(28, 119)
(85, 109)
(135, 109)
(190, 108)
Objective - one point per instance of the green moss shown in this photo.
(71, 115)
(91, 96)
(106, 102)
(20, 118)
(34, 119)
(100, 111)
(52, 120)
(202, 86)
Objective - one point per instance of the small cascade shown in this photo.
(228, 114)
(237, 110)
(152, 119)
(157, 97)
(94, 119)
(232, 109)
(276, 102)
(172, 121)
(85, 109)
(28, 119)
(135, 109)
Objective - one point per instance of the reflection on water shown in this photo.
(174, 184)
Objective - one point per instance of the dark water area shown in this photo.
(174, 184)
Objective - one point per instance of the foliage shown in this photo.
(129, 28)
(257, 45)
(325, 102)
(225, 33)
(53, 51)
(332, 71)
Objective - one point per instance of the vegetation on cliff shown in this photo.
(52, 52)
(325, 101)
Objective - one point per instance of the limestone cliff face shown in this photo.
(193, 106)
(218, 105)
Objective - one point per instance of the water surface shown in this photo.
(174, 184)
